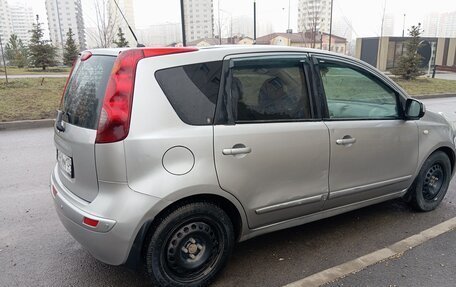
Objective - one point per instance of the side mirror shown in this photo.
(414, 109)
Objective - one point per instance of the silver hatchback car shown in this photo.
(168, 156)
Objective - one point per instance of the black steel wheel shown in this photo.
(189, 246)
(431, 184)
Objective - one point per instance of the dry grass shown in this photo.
(426, 86)
(30, 99)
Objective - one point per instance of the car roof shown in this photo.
(225, 49)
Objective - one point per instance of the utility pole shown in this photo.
(184, 42)
(254, 22)
(3, 57)
(381, 37)
(403, 27)
(289, 5)
(219, 23)
(330, 26)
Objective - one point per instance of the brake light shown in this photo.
(115, 116)
(85, 56)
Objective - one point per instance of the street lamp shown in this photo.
(330, 26)
(254, 22)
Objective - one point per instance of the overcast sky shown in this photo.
(365, 15)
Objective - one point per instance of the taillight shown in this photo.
(114, 122)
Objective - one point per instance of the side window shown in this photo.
(192, 90)
(352, 94)
(268, 89)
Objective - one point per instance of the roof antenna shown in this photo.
(129, 27)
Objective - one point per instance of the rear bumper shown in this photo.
(120, 211)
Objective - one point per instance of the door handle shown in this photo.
(346, 141)
(236, 150)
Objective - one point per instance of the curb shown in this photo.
(433, 96)
(28, 124)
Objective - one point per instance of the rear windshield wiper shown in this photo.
(59, 119)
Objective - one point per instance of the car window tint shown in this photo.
(351, 94)
(85, 91)
(192, 90)
(268, 90)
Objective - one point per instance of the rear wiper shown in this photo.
(58, 120)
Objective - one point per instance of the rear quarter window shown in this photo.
(192, 90)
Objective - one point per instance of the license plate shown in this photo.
(65, 163)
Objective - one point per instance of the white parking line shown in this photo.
(362, 262)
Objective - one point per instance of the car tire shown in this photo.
(431, 184)
(189, 246)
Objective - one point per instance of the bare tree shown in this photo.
(312, 10)
(107, 22)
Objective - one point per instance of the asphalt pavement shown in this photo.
(35, 249)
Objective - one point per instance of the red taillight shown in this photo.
(90, 222)
(114, 122)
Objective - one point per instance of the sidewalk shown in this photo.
(35, 76)
(431, 264)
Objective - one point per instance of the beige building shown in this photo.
(384, 52)
(224, 41)
(338, 44)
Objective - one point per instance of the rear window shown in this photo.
(83, 97)
(192, 90)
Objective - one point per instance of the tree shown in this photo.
(121, 40)
(71, 50)
(107, 19)
(409, 62)
(16, 52)
(311, 22)
(42, 54)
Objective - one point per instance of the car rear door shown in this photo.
(76, 132)
(271, 150)
(374, 150)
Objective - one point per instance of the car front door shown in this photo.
(374, 150)
(272, 152)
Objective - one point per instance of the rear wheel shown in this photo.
(432, 182)
(189, 246)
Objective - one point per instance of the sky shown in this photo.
(365, 15)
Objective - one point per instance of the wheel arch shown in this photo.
(451, 155)
(233, 211)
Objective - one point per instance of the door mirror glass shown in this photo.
(414, 109)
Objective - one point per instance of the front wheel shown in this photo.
(189, 246)
(431, 184)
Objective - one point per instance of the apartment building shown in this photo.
(63, 15)
(198, 19)
(314, 15)
(22, 20)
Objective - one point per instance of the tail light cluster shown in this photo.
(114, 122)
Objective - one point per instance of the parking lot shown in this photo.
(35, 250)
